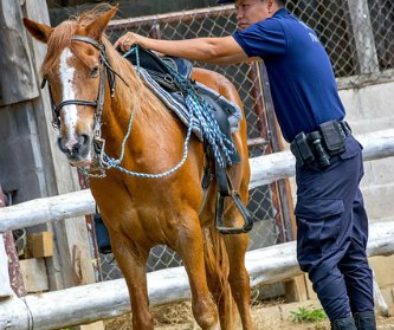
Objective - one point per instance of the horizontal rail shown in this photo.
(265, 169)
(88, 303)
(184, 16)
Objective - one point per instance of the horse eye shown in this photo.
(94, 72)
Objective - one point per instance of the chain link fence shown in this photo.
(358, 34)
(199, 24)
(359, 37)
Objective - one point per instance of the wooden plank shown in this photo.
(98, 301)
(5, 285)
(15, 62)
(363, 36)
(295, 289)
(46, 209)
(93, 326)
(61, 178)
(40, 245)
(34, 275)
(380, 302)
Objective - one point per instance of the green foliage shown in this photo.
(303, 314)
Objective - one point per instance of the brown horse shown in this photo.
(141, 213)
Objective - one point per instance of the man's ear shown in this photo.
(97, 27)
(39, 31)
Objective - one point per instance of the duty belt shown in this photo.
(321, 145)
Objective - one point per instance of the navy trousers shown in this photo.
(333, 231)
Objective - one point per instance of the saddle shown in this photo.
(158, 74)
(158, 70)
(157, 67)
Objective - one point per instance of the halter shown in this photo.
(106, 72)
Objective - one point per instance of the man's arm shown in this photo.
(223, 50)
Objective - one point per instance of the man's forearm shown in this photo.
(223, 50)
(201, 49)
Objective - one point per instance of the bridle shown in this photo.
(106, 72)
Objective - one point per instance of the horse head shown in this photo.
(76, 68)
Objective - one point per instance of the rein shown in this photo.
(105, 162)
(108, 162)
(105, 71)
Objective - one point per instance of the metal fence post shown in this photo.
(266, 130)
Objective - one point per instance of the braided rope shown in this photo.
(201, 113)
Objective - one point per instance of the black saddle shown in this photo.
(158, 67)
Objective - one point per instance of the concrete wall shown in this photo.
(369, 109)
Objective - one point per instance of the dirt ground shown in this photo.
(272, 316)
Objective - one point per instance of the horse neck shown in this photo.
(150, 114)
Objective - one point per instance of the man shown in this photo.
(332, 223)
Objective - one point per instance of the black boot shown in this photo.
(343, 324)
(365, 320)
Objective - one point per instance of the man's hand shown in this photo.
(125, 42)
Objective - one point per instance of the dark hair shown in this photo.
(281, 2)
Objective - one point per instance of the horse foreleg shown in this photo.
(190, 248)
(239, 279)
(132, 262)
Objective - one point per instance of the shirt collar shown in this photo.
(281, 12)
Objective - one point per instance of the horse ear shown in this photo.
(39, 31)
(97, 27)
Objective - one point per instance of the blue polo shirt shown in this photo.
(302, 80)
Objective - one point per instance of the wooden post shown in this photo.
(15, 60)
(14, 268)
(71, 263)
(71, 237)
(381, 305)
(363, 36)
(5, 285)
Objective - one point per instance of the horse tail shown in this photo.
(217, 270)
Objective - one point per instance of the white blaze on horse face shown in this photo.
(70, 112)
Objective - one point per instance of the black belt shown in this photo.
(320, 145)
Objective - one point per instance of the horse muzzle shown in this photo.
(77, 149)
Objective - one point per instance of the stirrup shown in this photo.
(220, 226)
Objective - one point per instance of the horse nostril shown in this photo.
(75, 149)
(62, 147)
